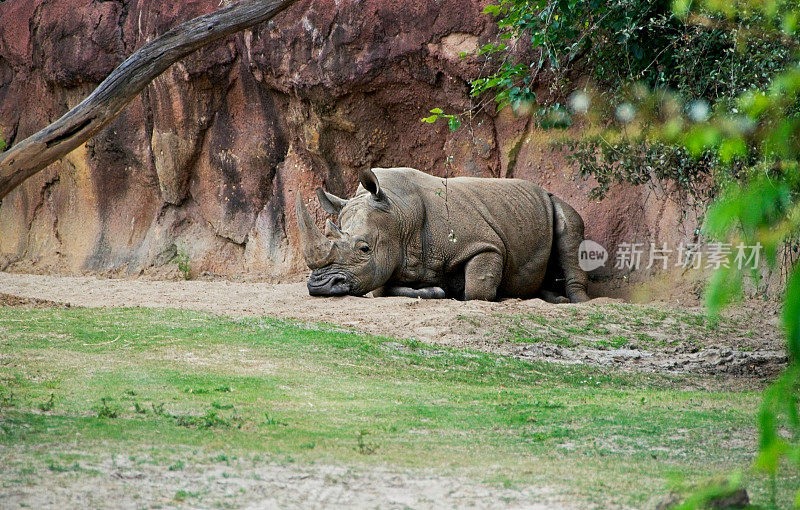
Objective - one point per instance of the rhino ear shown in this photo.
(370, 183)
(331, 203)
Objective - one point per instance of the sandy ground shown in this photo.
(244, 484)
(748, 343)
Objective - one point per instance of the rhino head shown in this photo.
(361, 255)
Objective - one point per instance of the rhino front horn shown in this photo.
(317, 249)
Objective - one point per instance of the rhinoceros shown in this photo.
(407, 233)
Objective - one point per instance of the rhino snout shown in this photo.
(336, 284)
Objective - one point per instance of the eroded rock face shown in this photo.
(207, 161)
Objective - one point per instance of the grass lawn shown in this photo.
(78, 385)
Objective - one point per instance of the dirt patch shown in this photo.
(655, 337)
(713, 360)
(246, 484)
(12, 300)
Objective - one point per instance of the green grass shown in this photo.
(102, 382)
(620, 325)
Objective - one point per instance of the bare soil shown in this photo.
(656, 337)
(249, 484)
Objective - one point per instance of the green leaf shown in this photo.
(453, 122)
(754, 103)
(681, 7)
(723, 288)
(791, 314)
(772, 447)
(431, 119)
(637, 51)
(732, 148)
(492, 9)
(789, 23)
(779, 140)
(700, 138)
(769, 455)
(437, 111)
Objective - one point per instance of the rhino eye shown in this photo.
(364, 248)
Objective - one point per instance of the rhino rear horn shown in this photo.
(331, 230)
(370, 182)
(317, 249)
(330, 202)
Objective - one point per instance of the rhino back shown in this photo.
(465, 216)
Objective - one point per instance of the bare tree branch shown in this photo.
(120, 87)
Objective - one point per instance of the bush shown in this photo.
(622, 47)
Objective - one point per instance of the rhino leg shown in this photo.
(423, 293)
(482, 276)
(568, 237)
(553, 297)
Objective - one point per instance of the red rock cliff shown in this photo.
(207, 160)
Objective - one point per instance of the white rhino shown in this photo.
(411, 234)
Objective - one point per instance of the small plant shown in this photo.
(184, 264)
(223, 458)
(177, 466)
(139, 409)
(468, 319)
(453, 121)
(7, 399)
(181, 495)
(158, 409)
(58, 468)
(2, 145)
(27, 470)
(616, 342)
(272, 421)
(106, 409)
(210, 419)
(48, 405)
(362, 446)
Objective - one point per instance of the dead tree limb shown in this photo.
(120, 87)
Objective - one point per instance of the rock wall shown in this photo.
(206, 162)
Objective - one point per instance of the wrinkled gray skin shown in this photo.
(411, 234)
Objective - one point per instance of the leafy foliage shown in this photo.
(625, 160)
(619, 41)
(755, 137)
(703, 94)
(553, 47)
